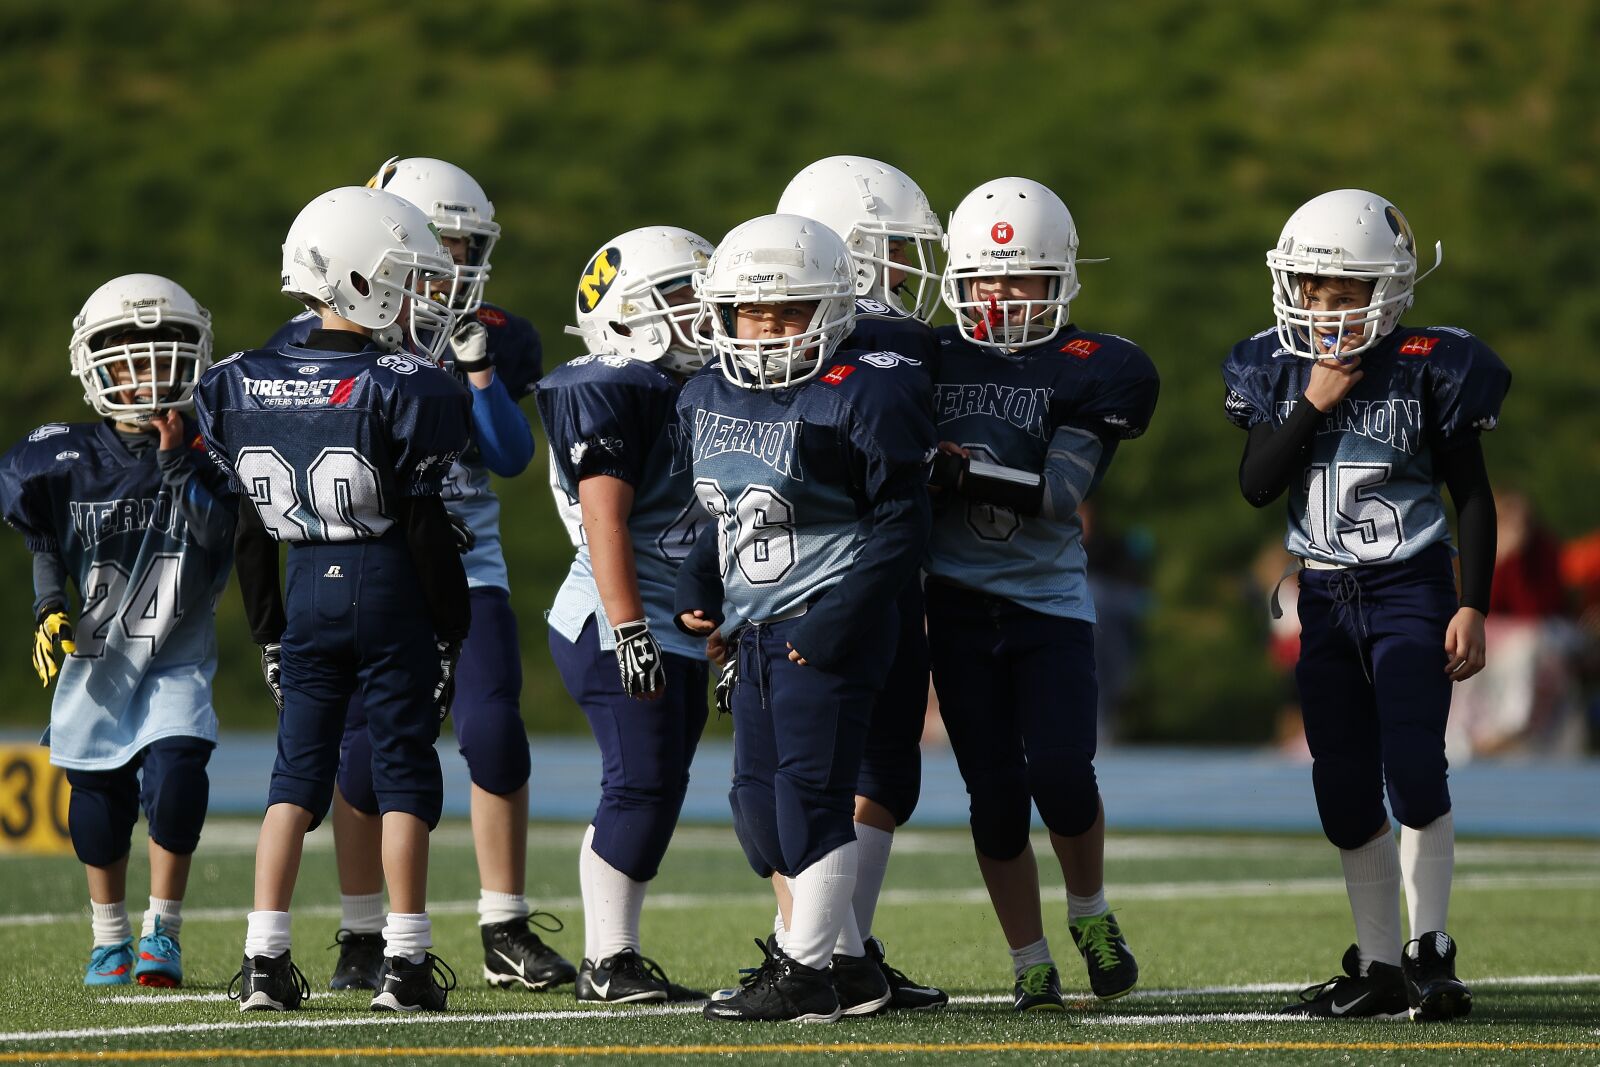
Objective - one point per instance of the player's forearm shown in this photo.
(1465, 475)
(699, 583)
(606, 502)
(49, 581)
(1072, 468)
(501, 430)
(1275, 455)
(256, 562)
(438, 564)
(209, 520)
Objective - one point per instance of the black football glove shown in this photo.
(444, 690)
(465, 538)
(272, 671)
(469, 346)
(51, 626)
(727, 682)
(638, 659)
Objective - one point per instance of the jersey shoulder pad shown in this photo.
(1121, 382)
(1248, 373)
(857, 372)
(1467, 378)
(53, 445)
(295, 330)
(514, 348)
(608, 369)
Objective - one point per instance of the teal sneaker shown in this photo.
(110, 965)
(160, 962)
(1038, 989)
(1113, 972)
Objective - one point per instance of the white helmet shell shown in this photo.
(369, 256)
(174, 351)
(1346, 233)
(778, 259)
(1013, 228)
(622, 301)
(868, 204)
(458, 206)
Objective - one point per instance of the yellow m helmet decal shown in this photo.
(1402, 228)
(598, 276)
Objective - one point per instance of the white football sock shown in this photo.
(109, 922)
(361, 913)
(266, 933)
(1427, 862)
(500, 907)
(780, 931)
(872, 851)
(1030, 956)
(408, 934)
(170, 912)
(849, 942)
(821, 902)
(1087, 907)
(1372, 881)
(612, 903)
(587, 892)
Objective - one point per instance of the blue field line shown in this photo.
(1144, 788)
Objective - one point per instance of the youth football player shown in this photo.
(611, 419)
(139, 519)
(812, 462)
(498, 355)
(1030, 409)
(1359, 419)
(342, 445)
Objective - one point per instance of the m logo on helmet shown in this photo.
(598, 276)
(1002, 232)
(1402, 228)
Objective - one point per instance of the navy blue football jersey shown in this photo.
(325, 443)
(617, 416)
(1057, 409)
(147, 589)
(789, 475)
(518, 357)
(1369, 493)
(880, 328)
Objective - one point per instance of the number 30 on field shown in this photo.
(33, 801)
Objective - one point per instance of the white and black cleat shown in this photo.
(269, 983)
(408, 986)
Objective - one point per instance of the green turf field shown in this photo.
(1225, 928)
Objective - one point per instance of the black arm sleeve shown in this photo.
(49, 582)
(1464, 474)
(699, 585)
(255, 555)
(1274, 455)
(438, 563)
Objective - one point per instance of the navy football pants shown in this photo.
(1018, 695)
(891, 767)
(356, 624)
(167, 778)
(646, 747)
(486, 710)
(798, 737)
(1374, 693)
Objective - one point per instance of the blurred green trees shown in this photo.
(181, 138)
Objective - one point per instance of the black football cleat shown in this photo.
(411, 986)
(904, 994)
(269, 983)
(1038, 989)
(629, 978)
(780, 990)
(1113, 972)
(360, 964)
(1378, 994)
(1433, 992)
(514, 955)
(859, 984)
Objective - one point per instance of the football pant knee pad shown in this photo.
(1063, 785)
(176, 791)
(101, 811)
(1349, 800)
(633, 827)
(1000, 811)
(494, 743)
(355, 772)
(892, 780)
(755, 825)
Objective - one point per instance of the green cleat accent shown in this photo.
(1113, 972)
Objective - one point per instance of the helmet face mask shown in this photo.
(457, 205)
(636, 298)
(1011, 229)
(139, 346)
(778, 259)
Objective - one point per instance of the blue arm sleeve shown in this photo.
(208, 518)
(1072, 468)
(503, 435)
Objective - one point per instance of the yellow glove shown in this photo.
(53, 625)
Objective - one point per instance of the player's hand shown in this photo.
(696, 623)
(169, 425)
(717, 649)
(272, 671)
(52, 626)
(1332, 380)
(469, 348)
(1465, 648)
(727, 682)
(444, 690)
(795, 656)
(464, 537)
(639, 660)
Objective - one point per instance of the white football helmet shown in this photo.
(1012, 227)
(622, 298)
(869, 204)
(369, 255)
(777, 259)
(457, 205)
(151, 328)
(1348, 233)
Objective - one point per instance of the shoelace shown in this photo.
(163, 944)
(771, 967)
(236, 984)
(640, 966)
(344, 937)
(1097, 936)
(535, 917)
(1312, 992)
(1036, 979)
(524, 937)
(876, 952)
(444, 977)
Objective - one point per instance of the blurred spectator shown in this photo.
(1119, 578)
(1580, 571)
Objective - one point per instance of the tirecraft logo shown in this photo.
(298, 392)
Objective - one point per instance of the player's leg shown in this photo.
(101, 811)
(977, 702)
(487, 718)
(175, 791)
(1336, 703)
(1412, 606)
(358, 851)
